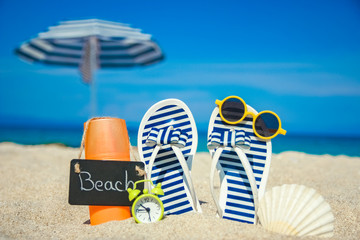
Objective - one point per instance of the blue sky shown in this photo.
(300, 59)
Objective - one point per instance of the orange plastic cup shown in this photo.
(107, 139)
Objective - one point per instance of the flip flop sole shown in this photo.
(166, 168)
(236, 197)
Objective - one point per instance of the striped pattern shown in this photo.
(237, 196)
(119, 45)
(257, 152)
(166, 168)
(239, 199)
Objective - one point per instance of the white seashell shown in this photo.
(296, 210)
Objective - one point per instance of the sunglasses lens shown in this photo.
(232, 109)
(267, 124)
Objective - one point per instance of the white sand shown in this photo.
(34, 190)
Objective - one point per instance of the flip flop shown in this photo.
(167, 142)
(242, 161)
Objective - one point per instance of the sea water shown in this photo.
(72, 137)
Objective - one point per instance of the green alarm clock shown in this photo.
(147, 208)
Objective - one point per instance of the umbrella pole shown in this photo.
(92, 60)
(93, 96)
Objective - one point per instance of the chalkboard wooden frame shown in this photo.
(103, 182)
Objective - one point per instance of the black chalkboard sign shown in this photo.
(103, 182)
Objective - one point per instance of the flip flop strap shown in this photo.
(212, 172)
(184, 166)
(248, 170)
(186, 172)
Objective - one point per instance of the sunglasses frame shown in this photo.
(246, 113)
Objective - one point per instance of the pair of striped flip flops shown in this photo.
(167, 142)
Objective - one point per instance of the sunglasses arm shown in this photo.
(282, 131)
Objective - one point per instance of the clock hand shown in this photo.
(141, 210)
(149, 216)
(147, 209)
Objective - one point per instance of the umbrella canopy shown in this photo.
(92, 44)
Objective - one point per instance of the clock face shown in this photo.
(147, 209)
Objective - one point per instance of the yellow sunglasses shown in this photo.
(266, 124)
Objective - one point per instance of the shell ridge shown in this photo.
(296, 210)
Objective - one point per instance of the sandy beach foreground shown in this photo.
(34, 190)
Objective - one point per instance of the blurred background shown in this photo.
(299, 59)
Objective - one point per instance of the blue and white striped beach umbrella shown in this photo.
(90, 45)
